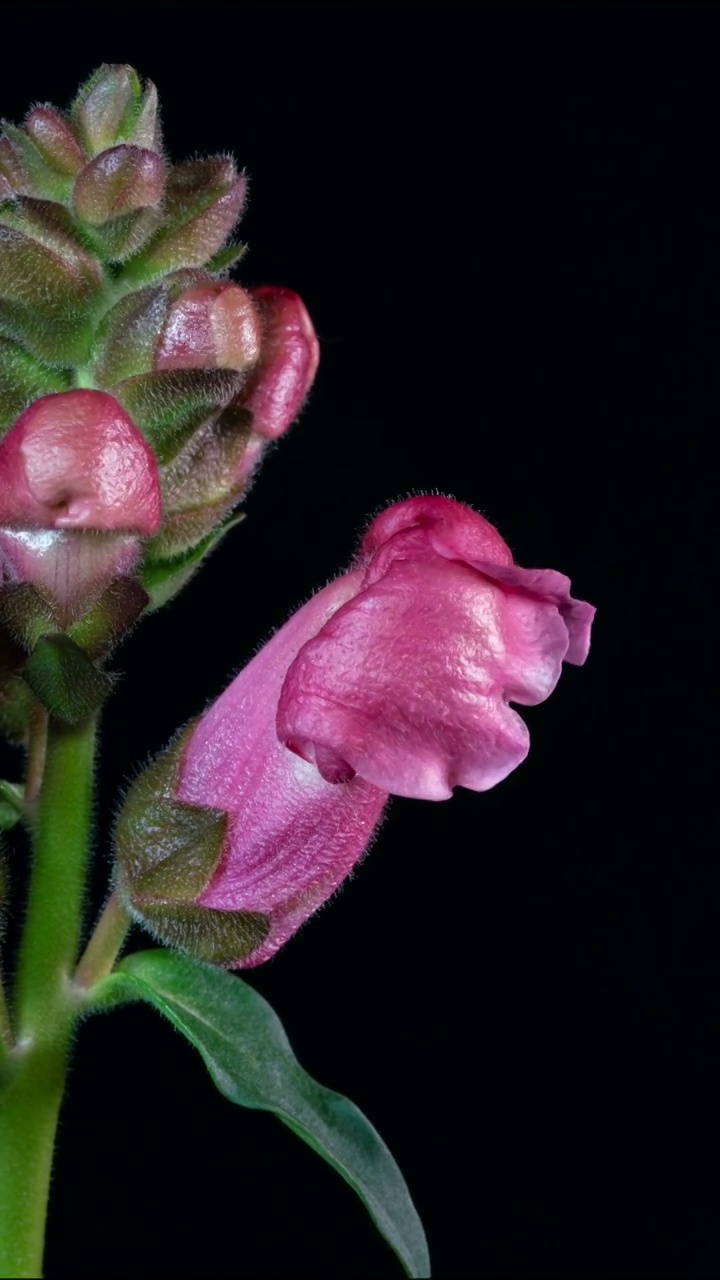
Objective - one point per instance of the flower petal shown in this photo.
(455, 531)
(554, 588)
(289, 357)
(408, 683)
(75, 460)
(293, 837)
(422, 526)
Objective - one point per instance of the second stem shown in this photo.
(44, 1006)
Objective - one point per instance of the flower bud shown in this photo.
(395, 679)
(48, 280)
(108, 106)
(56, 139)
(204, 200)
(288, 362)
(50, 224)
(209, 323)
(118, 182)
(210, 326)
(25, 169)
(77, 461)
(110, 259)
(79, 487)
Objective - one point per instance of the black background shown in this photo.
(504, 222)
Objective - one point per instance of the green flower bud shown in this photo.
(108, 107)
(118, 182)
(204, 200)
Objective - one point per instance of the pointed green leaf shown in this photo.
(250, 1060)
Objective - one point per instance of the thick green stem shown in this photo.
(30, 1099)
(33, 1079)
(61, 835)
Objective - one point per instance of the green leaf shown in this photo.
(250, 1060)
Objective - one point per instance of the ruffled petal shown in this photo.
(553, 588)
(422, 528)
(408, 683)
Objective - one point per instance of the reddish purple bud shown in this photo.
(79, 487)
(395, 679)
(75, 460)
(210, 326)
(56, 140)
(288, 362)
(117, 182)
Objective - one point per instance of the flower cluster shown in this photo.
(395, 679)
(139, 387)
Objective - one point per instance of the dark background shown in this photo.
(504, 222)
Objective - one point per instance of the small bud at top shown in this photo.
(107, 107)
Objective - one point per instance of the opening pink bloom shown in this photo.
(79, 488)
(395, 679)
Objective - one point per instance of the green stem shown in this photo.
(46, 1005)
(105, 944)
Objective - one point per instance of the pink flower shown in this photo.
(394, 679)
(266, 340)
(288, 362)
(213, 326)
(79, 487)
